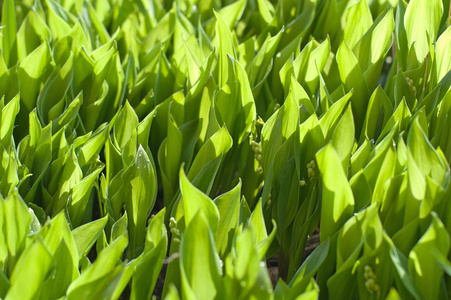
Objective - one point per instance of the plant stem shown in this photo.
(449, 13)
(425, 73)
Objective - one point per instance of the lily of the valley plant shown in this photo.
(189, 149)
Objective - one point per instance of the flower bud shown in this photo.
(175, 231)
(172, 222)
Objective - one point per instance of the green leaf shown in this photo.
(359, 157)
(30, 272)
(4, 284)
(363, 232)
(424, 154)
(247, 276)
(425, 272)
(358, 21)
(32, 33)
(372, 170)
(86, 235)
(232, 13)
(35, 152)
(245, 212)
(330, 118)
(382, 32)
(169, 158)
(399, 118)
(69, 114)
(343, 138)
(302, 97)
(9, 43)
(443, 54)
(378, 113)
(172, 293)
(63, 273)
(140, 182)
(74, 41)
(50, 103)
(33, 71)
(10, 178)
(266, 10)
(207, 161)
(101, 278)
(165, 78)
(403, 90)
(54, 232)
(199, 262)
(400, 33)
(393, 295)
(257, 222)
(300, 64)
(91, 148)
(260, 66)
(159, 129)
(66, 173)
(125, 125)
(286, 194)
(316, 63)
(59, 20)
(351, 76)
(282, 57)
(81, 193)
(119, 227)
(193, 65)
(9, 86)
(205, 82)
(228, 205)
(337, 198)
(163, 30)
(17, 220)
(144, 129)
(311, 139)
(300, 280)
(194, 200)
(8, 117)
(379, 39)
(300, 26)
(3, 243)
(400, 263)
(235, 103)
(148, 268)
(225, 49)
(279, 127)
(387, 169)
(422, 18)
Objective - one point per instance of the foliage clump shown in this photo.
(199, 141)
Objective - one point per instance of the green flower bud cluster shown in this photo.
(256, 147)
(412, 87)
(311, 166)
(370, 283)
(268, 202)
(176, 234)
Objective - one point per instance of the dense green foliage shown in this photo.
(210, 136)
